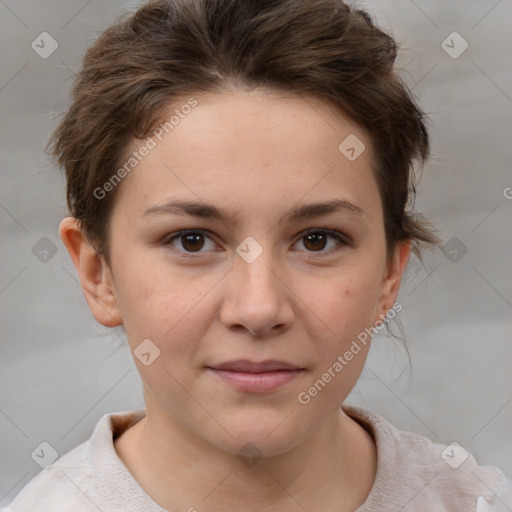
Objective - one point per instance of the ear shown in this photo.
(392, 278)
(95, 275)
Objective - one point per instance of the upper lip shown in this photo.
(244, 365)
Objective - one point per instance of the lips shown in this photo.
(256, 377)
(246, 366)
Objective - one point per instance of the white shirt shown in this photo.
(414, 474)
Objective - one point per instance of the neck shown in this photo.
(332, 470)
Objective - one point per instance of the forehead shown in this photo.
(246, 121)
(252, 147)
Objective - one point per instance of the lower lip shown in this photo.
(257, 382)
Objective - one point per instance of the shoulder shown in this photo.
(449, 475)
(418, 474)
(90, 477)
(61, 484)
(502, 502)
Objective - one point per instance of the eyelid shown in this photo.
(342, 237)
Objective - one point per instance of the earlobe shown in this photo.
(94, 274)
(393, 277)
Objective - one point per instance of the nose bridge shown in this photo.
(256, 299)
(255, 268)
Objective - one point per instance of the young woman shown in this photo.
(238, 175)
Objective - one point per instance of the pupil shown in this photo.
(192, 242)
(314, 238)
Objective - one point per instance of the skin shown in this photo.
(258, 155)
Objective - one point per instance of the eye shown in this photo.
(316, 240)
(191, 242)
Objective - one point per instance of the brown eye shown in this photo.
(190, 242)
(315, 241)
(318, 240)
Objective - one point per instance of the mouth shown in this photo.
(253, 377)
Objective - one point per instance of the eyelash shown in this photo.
(340, 237)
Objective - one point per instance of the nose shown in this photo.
(258, 299)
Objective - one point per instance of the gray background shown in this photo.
(61, 371)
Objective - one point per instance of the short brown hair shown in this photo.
(168, 49)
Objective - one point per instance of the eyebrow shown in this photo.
(305, 211)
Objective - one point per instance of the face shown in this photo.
(249, 273)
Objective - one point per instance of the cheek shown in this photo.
(342, 307)
(346, 307)
(164, 306)
(171, 314)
